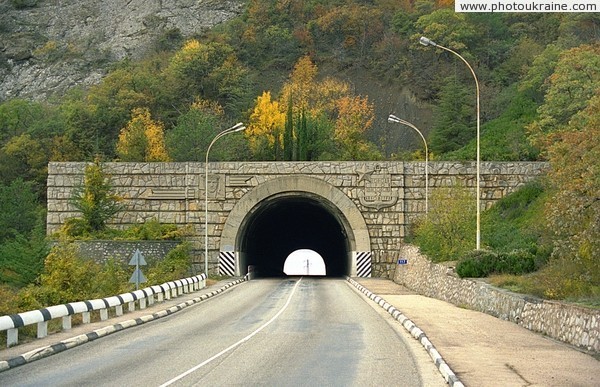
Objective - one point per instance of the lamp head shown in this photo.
(393, 118)
(238, 127)
(427, 42)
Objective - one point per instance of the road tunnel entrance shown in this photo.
(289, 213)
(285, 224)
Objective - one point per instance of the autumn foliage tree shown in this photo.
(355, 116)
(142, 139)
(265, 131)
(573, 211)
(313, 119)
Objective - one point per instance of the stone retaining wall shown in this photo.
(102, 250)
(568, 323)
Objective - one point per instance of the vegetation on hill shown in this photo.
(286, 67)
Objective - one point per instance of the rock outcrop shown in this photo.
(49, 46)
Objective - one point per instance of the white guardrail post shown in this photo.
(144, 297)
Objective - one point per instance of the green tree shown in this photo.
(210, 71)
(19, 209)
(95, 198)
(573, 83)
(196, 128)
(454, 124)
(24, 157)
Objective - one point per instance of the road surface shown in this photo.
(299, 331)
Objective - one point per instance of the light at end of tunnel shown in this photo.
(304, 262)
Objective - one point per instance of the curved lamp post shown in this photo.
(393, 118)
(427, 42)
(236, 128)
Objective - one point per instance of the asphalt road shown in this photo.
(273, 332)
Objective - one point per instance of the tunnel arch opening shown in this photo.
(330, 199)
(286, 223)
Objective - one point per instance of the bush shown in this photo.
(153, 230)
(174, 266)
(447, 233)
(477, 264)
(482, 263)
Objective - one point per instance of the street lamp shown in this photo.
(236, 128)
(427, 42)
(393, 118)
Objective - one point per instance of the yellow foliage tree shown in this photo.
(142, 139)
(265, 131)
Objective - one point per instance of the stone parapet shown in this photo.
(571, 324)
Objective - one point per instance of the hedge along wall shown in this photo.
(571, 324)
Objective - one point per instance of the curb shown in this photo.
(61, 346)
(415, 332)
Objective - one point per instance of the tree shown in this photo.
(95, 198)
(142, 139)
(24, 157)
(573, 211)
(210, 71)
(265, 130)
(195, 129)
(19, 209)
(453, 127)
(450, 29)
(310, 103)
(354, 117)
(571, 86)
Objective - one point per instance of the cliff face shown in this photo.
(48, 46)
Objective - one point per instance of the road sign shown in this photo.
(138, 277)
(137, 259)
(402, 261)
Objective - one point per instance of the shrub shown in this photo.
(22, 260)
(154, 230)
(482, 263)
(447, 233)
(174, 266)
(477, 264)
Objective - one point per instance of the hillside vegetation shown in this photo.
(315, 80)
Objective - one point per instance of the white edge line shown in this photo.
(197, 367)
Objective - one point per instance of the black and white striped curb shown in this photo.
(415, 332)
(49, 350)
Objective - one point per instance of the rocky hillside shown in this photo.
(48, 46)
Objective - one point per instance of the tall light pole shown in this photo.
(393, 118)
(236, 128)
(427, 42)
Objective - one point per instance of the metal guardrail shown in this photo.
(144, 297)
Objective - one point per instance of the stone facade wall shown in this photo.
(568, 323)
(101, 250)
(388, 194)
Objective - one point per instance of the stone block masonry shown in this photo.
(388, 195)
(571, 324)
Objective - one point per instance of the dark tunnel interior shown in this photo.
(286, 224)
